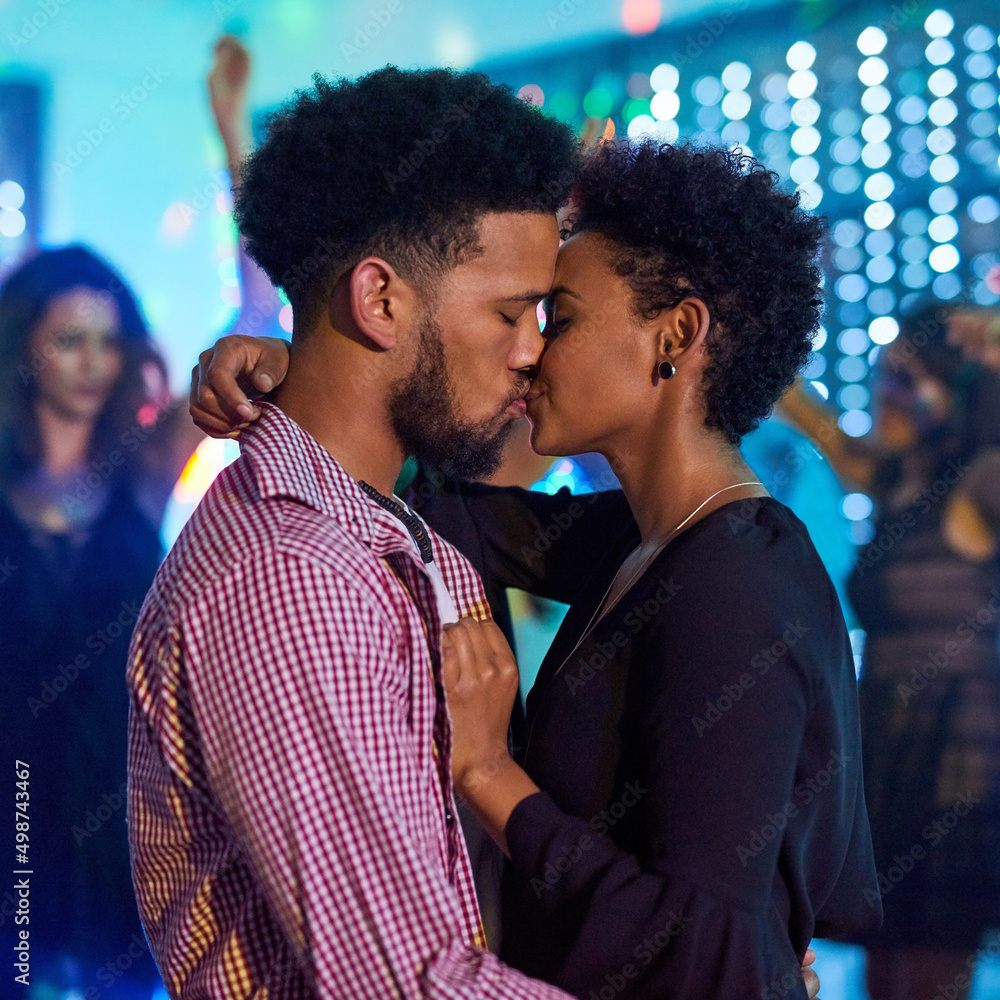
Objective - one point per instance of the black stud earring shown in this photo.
(667, 370)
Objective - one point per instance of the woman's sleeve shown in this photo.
(745, 781)
(543, 544)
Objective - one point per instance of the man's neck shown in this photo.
(343, 407)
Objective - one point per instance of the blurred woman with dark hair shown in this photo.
(91, 445)
(926, 589)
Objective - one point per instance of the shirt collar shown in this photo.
(289, 462)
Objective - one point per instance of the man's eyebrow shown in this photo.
(563, 290)
(526, 297)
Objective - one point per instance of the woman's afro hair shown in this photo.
(711, 223)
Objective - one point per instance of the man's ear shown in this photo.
(379, 298)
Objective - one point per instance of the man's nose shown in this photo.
(530, 343)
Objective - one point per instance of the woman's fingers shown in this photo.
(269, 365)
(218, 400)
(812, 983)
(810, 977)
(456, 652)
(467, 655)
(211, 421)
(476, 660)
(498, 644)
(215, 394)
(220, 368)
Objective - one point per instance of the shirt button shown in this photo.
(449, 817)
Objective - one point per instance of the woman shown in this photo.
(694, 726)
(926, 589)
(90, 447)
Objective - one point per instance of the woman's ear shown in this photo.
(378, 298)
(682, 328)
(690, 323)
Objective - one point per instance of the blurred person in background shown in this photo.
(90, 447)
(91, 444)
(977, 333)
(926, 589)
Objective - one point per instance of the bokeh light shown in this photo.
(640, 17)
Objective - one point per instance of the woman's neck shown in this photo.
(667, 479)
(65, 441)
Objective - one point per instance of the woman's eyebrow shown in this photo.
(563, 290)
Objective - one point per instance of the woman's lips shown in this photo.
(532, 401)
(90, 391)
(519, 406)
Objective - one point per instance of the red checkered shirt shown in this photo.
(291, 815)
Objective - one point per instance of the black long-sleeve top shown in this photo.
(702, 815)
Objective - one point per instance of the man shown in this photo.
(292, 820)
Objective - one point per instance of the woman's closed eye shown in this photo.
(557, 325)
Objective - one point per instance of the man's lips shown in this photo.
(518, 404)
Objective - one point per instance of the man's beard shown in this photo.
(422, 409)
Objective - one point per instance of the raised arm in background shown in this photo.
(227, 84)
(852, 459)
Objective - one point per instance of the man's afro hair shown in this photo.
(713, 224)
(396, 163)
